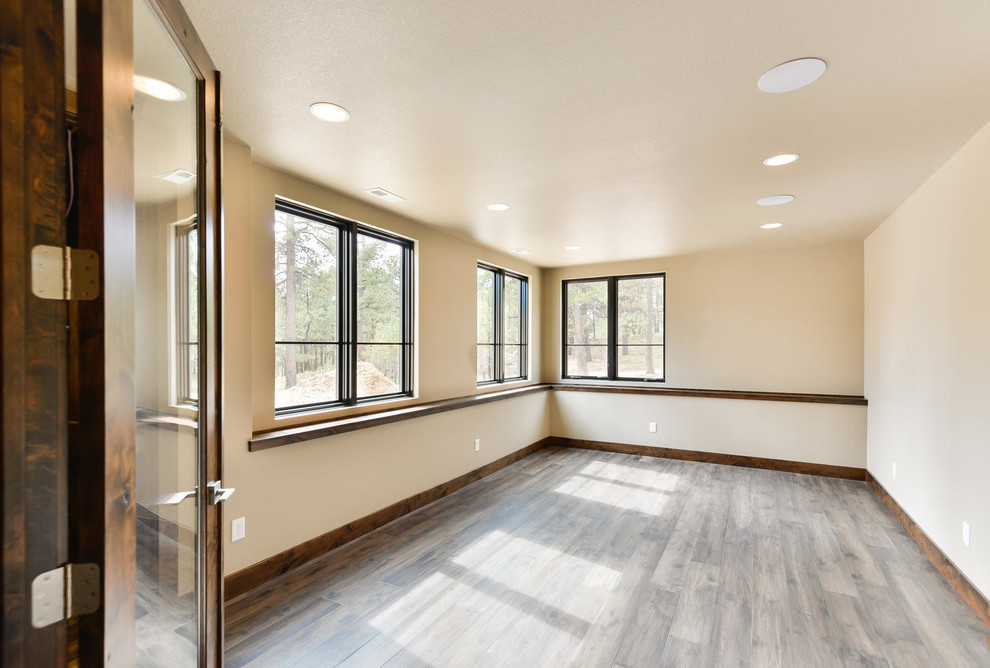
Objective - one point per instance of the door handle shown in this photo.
(219, 494)
(175, 499)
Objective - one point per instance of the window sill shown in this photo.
(323, 412)
(274, 438)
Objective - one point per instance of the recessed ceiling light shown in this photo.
(522, 251)
(792, 75)
(572, 248)
(383, 194)
(774, 200)
(782, 159)
(498, 207)
(159, 89)
(177, 176)
(771, 226)
(330, 112)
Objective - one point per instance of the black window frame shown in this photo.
(347, 310)
(498, 326)
(612, 343)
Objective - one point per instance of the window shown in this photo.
(343, 311)
(614, 328)
(185, 315)
(502, 336)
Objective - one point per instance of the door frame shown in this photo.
(33, 335)
(102, 404)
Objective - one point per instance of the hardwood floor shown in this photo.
(582, 558)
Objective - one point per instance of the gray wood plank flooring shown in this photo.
(581, 558)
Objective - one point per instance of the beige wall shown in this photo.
(776, 320)
(294, 493)
(818, 433)
(928, 356)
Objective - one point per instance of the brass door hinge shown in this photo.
(67, 591)
(65, 273)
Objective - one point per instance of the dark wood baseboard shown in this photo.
(827, 470)
(248, 578)
(969, 593)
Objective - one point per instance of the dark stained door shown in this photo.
(33, 335)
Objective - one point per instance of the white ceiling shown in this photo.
(633, 129)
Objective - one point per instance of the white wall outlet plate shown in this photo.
(894, 470)
(477, 445)
(237, 530)
(653, 427)
(966, 534)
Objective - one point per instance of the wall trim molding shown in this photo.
(807, 468)
(794, 397)
(966, 589)
(273, 438)
(268, 569)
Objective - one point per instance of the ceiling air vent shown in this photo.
(383, 194)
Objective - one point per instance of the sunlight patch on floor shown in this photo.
(615, 494)
(659, 480)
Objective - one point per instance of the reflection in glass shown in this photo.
(167, 322)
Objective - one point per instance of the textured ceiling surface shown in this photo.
(631, 129)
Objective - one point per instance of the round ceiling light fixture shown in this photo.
(158, 89)
(782, 159)
(330, 112)
(771, 226)
(572, 248)
(498, 207)
(775, 200)
(792, 75)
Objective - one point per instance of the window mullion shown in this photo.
(613, 328)
(499, 327)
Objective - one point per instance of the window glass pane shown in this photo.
(486, 363)
(587, 313)
(379, 291)
(486, 307)
(640, 327)
(513, 361)
(513, 317)
(305, 373)
(587, 361)
(306, 276)
(640, 362)
(191, 353)
(379, 370)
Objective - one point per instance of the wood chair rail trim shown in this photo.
(273, 438)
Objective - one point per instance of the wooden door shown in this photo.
(135, 404)
(32, 336)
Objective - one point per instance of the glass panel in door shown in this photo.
(167, 335)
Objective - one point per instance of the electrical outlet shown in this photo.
(653, 427)
(894, 470)
(237, 530)
(966, 534)
(477, 445)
